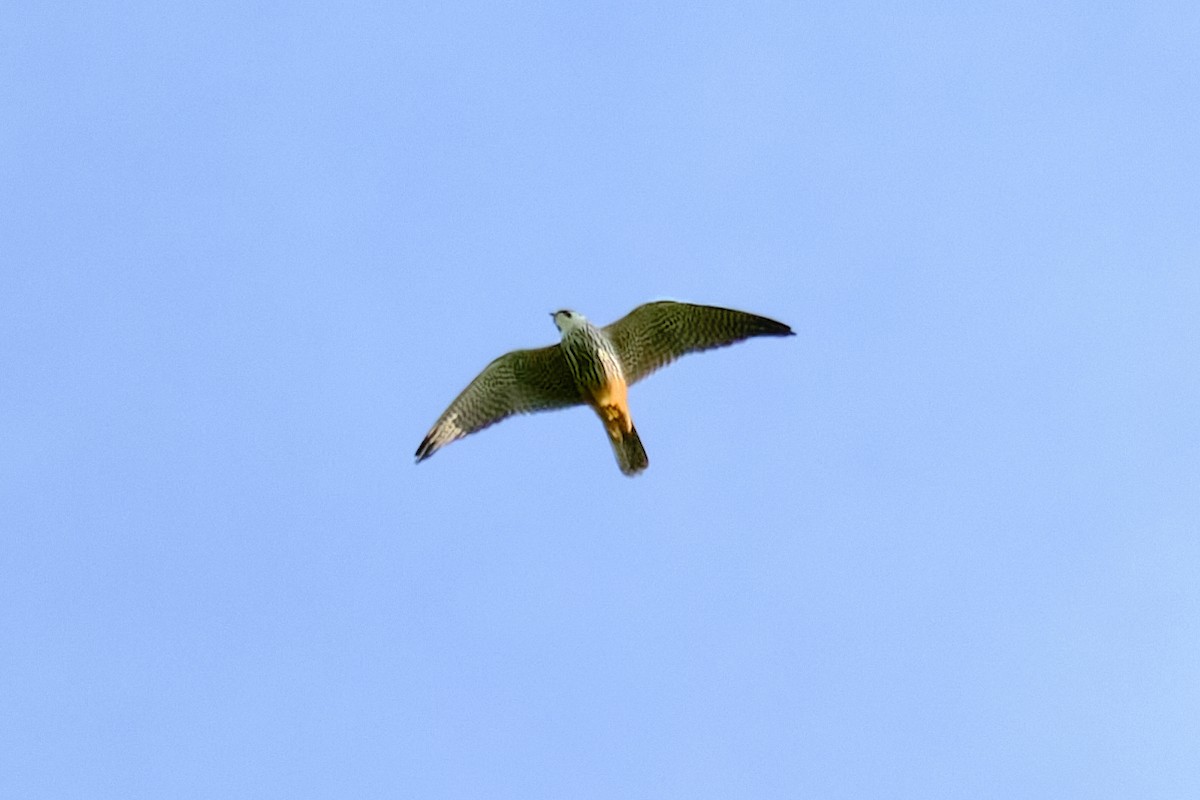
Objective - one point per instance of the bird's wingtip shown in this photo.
(776, 328)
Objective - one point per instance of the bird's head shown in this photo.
(567, 320)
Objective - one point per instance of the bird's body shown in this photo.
(594, 366)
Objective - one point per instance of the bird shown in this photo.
(594, 366)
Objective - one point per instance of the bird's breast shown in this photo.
(593, 361)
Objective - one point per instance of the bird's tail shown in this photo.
(627, 447)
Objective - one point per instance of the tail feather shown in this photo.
(627, 447)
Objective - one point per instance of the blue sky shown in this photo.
(943, 543)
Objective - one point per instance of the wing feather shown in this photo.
(655, 334)
(519, 382)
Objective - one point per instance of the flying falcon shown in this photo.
(595, 366)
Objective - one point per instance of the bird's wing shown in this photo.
(655, 334)
(515, 383)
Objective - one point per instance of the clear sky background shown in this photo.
(945, 542)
